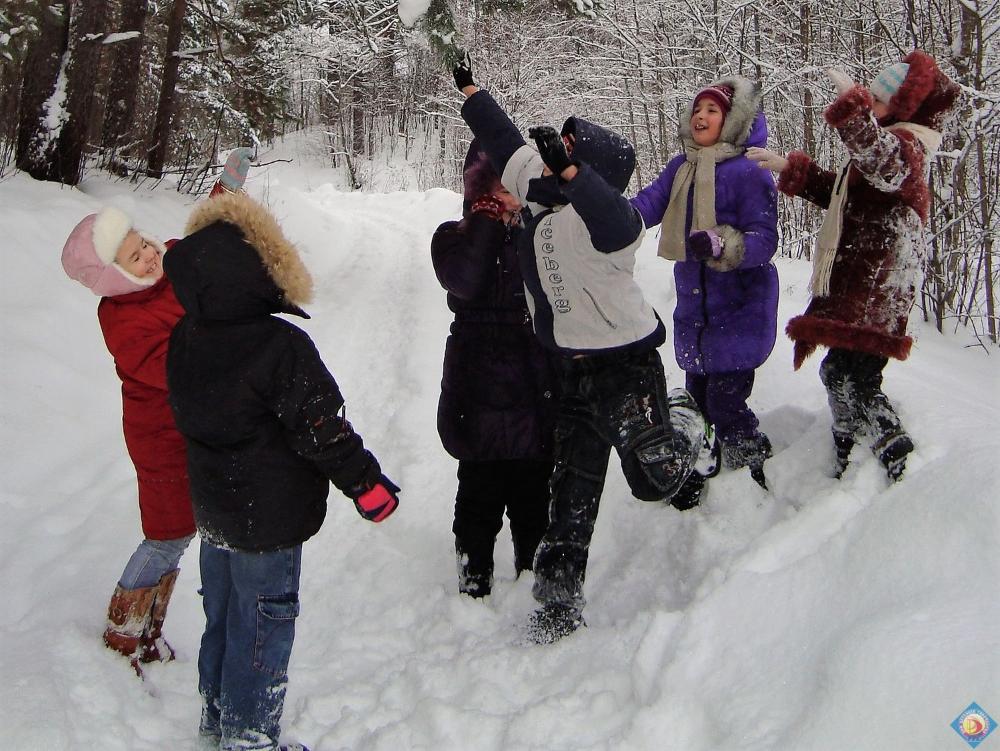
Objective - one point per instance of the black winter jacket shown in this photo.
(497, 398)
(254, 401)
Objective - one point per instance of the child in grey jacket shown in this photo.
(577, 255)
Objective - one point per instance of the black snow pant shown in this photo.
(853, 383)
(485, 490)
(608, 401)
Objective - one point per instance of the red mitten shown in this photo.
(379, 502)
(490, 205)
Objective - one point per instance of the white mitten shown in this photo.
(767, 159)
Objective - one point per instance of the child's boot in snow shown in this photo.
(749, 451)
(689, 494)
(843, 443)
(707, 462)
(475, 571)
(154, 646)
(552, 622)
(129, 613)
(891, 451)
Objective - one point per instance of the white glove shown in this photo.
(841, 81)
(767, 159)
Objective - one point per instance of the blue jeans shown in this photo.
(151, 560)
(251, 601)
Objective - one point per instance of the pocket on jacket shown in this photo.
(276, 616)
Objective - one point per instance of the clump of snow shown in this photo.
(823, 615)
(410, 11)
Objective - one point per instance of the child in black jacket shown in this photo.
(265, 432)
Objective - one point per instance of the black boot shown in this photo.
(690, 493)
(891, 451)
(551, 623)
(475, 573)
(843, 443)
(749, 451)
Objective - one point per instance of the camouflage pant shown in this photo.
(608, 401)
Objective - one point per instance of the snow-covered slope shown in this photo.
(827, 615)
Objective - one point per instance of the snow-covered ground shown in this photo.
(827, 615)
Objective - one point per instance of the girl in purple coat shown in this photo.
(719, 217)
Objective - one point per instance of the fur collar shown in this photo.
(260, 230)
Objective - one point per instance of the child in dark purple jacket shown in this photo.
(719, 218)
(496, 414)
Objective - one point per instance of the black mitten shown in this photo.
(550, 147)
(463, 72)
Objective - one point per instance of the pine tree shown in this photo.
(58, 90)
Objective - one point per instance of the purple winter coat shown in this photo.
(726, 321)
(497, 389)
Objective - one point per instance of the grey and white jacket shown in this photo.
(577, 255)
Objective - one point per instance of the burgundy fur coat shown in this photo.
(882, 246)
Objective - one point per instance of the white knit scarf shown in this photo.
(699, 169)
(828, 239)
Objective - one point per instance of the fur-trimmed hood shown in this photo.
(743, 119)
(926, 95)
(235, 262)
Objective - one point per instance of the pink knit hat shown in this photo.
(89, 254)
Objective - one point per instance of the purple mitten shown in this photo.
(704, 245)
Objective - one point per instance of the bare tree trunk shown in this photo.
(157, 155)
(57, 145)
(123, 84)
(805, 37)
(42, 70)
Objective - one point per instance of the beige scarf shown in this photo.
(698, 169)
(828, 239)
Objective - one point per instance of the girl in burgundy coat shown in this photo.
(871, 246)
(496, 413)
(719, 216)
(137, 313)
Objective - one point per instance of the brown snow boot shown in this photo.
(129, 613)
(153, 647)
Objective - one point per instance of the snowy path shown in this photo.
(826, 615)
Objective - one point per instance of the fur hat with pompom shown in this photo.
(89, 254)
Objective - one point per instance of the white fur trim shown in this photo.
(110, 228)
(142, 282)
(741, 115)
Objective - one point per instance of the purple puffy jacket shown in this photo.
(726, 320)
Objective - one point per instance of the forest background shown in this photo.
(149, 88)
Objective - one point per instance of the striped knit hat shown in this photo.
(885, 85)
(718, 93)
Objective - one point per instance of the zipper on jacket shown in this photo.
(598, 308)
(702, 280)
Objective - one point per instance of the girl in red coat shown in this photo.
(137, 313)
